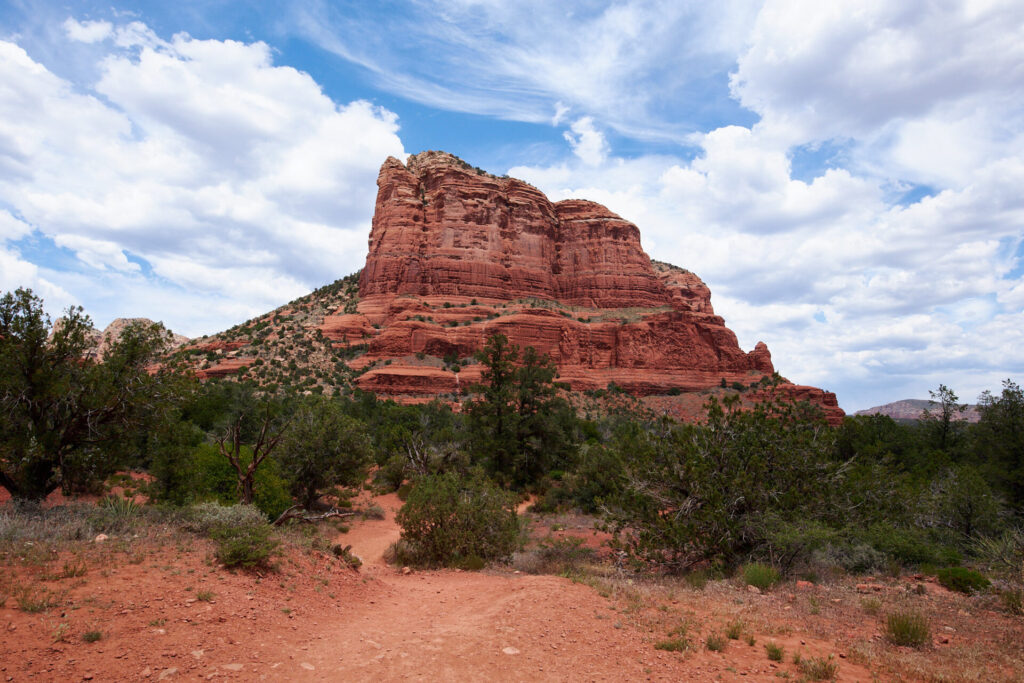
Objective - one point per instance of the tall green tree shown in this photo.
(519, 425)
(999, 441)
(323, 447)
(943, 424)
(492, 417)
(62, 413)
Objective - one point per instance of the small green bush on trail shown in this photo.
(248, 547)
(907, 628)
(760, 575)
(450, 518)
(962, 580)
(774, 651)
(204, 518)
(243, 536)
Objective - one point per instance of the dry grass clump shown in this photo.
(715, 642)
(907, 628)
(819, 668)
(564, 556)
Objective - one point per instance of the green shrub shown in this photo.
(246, 547)
(761, 575)
(212, 477)
(911, 546)
(673, 645)
(962, 580)
(119, 507)
(207, 517)
(871, 606)
(241, 532)
(735, 630)
(344, 553)
(715, 642)
(854, 558)
(1012, 601)
(907, 628)
(819, 668)
(92, 636)
(775, 651)
(450, 517)
(391, 474)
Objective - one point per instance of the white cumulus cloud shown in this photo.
(235, 181)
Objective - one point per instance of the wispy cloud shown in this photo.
(629, 64)
(850, 289)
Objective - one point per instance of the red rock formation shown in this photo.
(456, 255)
(224, 367)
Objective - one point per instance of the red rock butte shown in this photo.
(456, 255)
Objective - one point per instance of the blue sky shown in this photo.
(845, 176)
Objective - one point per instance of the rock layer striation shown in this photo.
(456, 254)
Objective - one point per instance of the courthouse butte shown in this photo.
(456, 255)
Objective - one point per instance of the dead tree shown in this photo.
(264, 446)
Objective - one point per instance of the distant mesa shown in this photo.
(912, 409)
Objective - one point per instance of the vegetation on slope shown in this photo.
(773, 484)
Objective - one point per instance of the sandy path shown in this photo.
(495, 625)
(454, 625)
(372, 537)
(316, 620)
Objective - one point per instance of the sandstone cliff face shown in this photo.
(456, 255)
(442, 230)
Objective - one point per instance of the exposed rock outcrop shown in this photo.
(100, 342)
(456, 255)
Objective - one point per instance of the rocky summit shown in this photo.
(456, 255)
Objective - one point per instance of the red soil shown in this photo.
(318, 620)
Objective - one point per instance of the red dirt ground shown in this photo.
(318, 620)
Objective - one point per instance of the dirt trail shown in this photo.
(371, 538)
(316, 620)
(494, 625)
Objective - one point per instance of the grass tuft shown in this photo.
(715, 642)
(673, 645)
(907, 628)
(775, 651)
(819, 668)
(35, 600)
(760, 575)
(735, 630)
